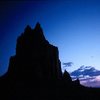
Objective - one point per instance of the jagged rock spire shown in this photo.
(38, 25)
(38, 32)
(29, 38)
(66, 77)
(27, 28)
(33, 52)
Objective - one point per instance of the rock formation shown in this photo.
(36, 64)
(34, 72)
(35, 58)
(66, 77)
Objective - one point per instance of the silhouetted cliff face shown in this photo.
(35, 58)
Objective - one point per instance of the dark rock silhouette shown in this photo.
(36, 64)
(66, 77)
(35, 72)
(35, 57)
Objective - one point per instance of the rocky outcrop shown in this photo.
(35, 65)
(66, 78)
(35, 58)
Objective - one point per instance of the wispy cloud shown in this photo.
(68, 64)
(87, 75)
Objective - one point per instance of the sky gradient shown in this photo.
(71, 25)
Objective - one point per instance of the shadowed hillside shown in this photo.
(35, 72)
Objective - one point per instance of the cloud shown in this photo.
(86, 70)
(68, 64)
(88, 76)
(92, 82)
(89, 81)
(97, 78)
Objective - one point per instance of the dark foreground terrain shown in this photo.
(34, 72)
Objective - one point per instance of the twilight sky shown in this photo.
(71, 25)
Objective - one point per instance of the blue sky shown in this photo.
(71, 25)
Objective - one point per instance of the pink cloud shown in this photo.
(91, 82)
